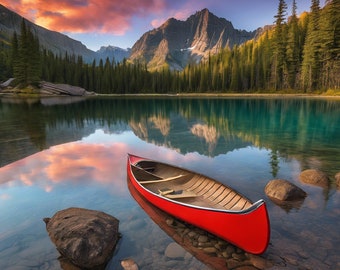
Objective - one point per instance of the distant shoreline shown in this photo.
(196, 95)
(35, 93)
(224, 95)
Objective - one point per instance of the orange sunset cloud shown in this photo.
(78, 16)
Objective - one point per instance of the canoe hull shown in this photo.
(249, 230)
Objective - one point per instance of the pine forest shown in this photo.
(295, 55)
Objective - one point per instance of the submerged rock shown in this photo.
(337, 180)
(87, 238)
(174, 250)
(283, 190)
(314, 177)
(129, 264)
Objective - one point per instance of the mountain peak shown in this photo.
(112, 52)
(204, 11)
(177, 43)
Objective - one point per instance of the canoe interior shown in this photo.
(188, 187)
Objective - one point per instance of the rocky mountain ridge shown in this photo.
(174, 44)
(56, 42)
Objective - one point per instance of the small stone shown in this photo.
(239, 256)
(230, 250)
(186, 231)
(170, 221)
(225, 254)
(314, 177)
(129, 264)
(174, 250)
(337, 180)
(192, 234)
(233, 264)
(259, 262)
(210, 249)
(203, 239)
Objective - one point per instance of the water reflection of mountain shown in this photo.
(186, 135)
(304, 128)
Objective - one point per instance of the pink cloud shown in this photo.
(71, 162)
(78, 16)
(181, 10)
(80, 161)
(76, 162)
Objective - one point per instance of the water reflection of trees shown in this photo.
(304, 128)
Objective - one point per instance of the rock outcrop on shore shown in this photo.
(62, 89)
(45, 89)
(6, 83)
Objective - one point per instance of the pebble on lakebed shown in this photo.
(337, 180)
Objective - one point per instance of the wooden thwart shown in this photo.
(161, 180)
(141, 173)
(171, 194)
(181, 194)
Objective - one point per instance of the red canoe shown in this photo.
(203, 202)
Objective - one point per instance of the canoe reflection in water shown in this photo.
(209, 249)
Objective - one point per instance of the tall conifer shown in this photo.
(293, 47)
(280, 44)
(311, 50)
(330, 44)
(26, 56)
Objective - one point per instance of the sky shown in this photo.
(121, 23)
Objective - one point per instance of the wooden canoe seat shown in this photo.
(165, 191)
(140, 173)
(171, 194)
(161, 180)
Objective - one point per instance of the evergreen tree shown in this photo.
(265, 58)
(15, 55)
(279, 49)
(311, 50)
(26, 56)
(330, 44)
(92, 76)
(293, 48)
(3, 64)
(235, 71)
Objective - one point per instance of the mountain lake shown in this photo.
(63, 152)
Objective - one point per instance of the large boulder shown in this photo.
(283, 190)
(314, 177)
(87, 238)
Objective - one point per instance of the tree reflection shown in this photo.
(274, 163)
(301, 128)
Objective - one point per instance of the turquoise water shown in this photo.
(60, 153)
